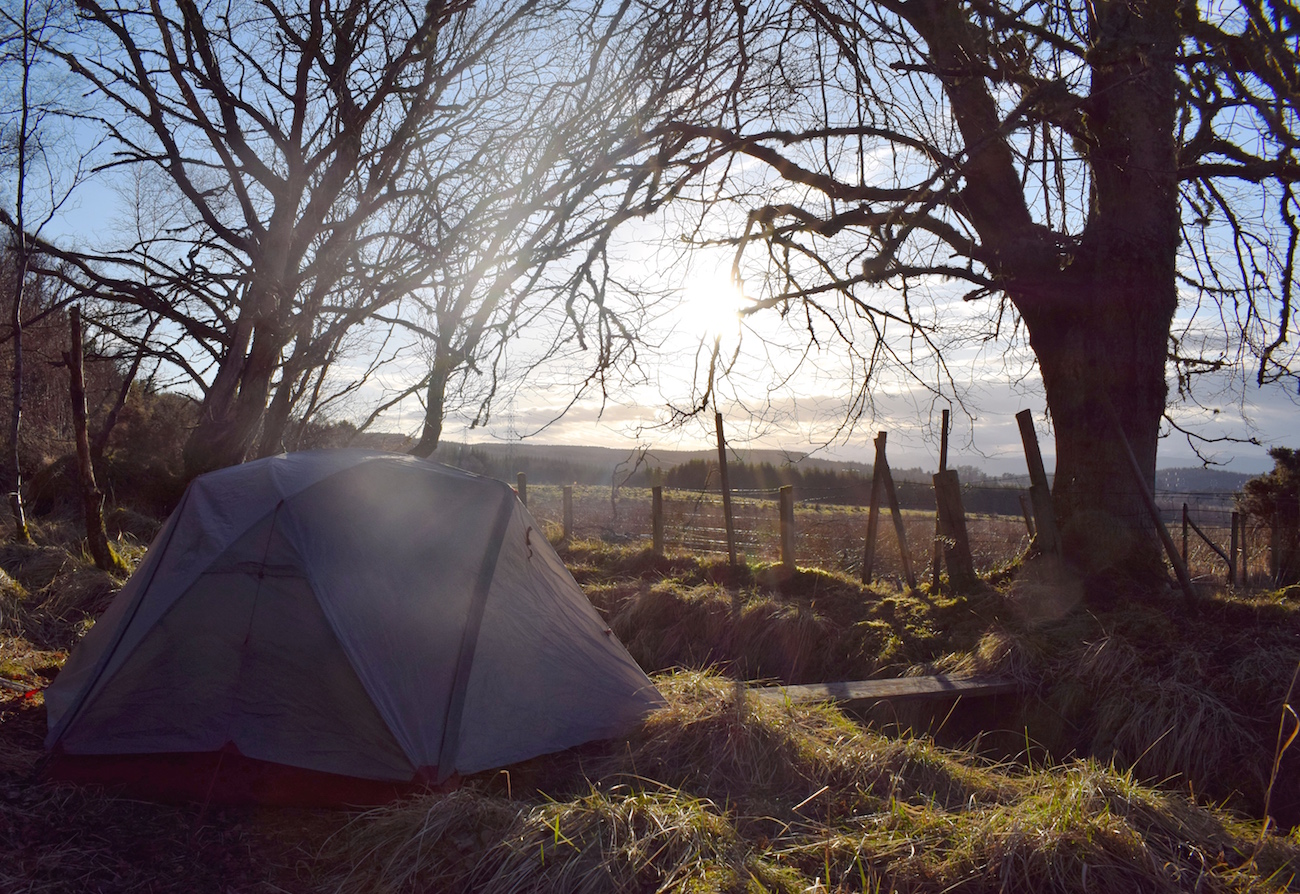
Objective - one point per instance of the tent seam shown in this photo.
(448, 752)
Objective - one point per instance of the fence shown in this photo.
(832, 536)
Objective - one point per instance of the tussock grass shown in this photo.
(625, 839)
(712, 795)
(720, 793)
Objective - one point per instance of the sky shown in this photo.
(781, 396)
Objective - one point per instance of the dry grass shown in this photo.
(715, 796)
(716, 793)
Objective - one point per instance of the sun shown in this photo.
(711, 304)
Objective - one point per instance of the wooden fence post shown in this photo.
(873, 511)
(521, 487)
(952, 520)
(1180, 567)
(787, 527)
(1275, 554)
(899, 529)
(1232, 550)
(1187, 523)
(657, 518)
(937, 557)
(1028, 514)
(1245, 554)
(568, 513)
(1047, 538)
(726, 491)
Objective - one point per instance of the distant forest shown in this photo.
(844, 488)
(814, 480)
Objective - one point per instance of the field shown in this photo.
(829, 536)
(1142, 757)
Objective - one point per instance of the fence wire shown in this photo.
(831, 535)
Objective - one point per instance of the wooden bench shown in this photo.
(864, 693)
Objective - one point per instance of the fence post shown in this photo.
(1047, 538)
(952, 520)
(657, 518)
(873, 511)
(787, 527)
(521, 487)
(726, 492)
(936, 559)
(1245, 555)
(568, 513)
(899, 529)
(1232, 550)
(1275, 553)
(1187, 523)
(1028, 514)
(1180, 567)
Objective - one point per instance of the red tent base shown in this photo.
(228, 777)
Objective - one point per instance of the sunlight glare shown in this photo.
(711, 304)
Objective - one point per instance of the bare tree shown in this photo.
(284, 130)
(1113, 180)
(433, 168)
(42, 180)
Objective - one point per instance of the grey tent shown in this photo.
(337, 625)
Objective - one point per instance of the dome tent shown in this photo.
(339, 625)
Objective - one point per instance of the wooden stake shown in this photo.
(899, 530)
(952, 521)
(1028, 514)
(1232, 550)
(1187, 523)
(1180, 567)
(1047, 538)
(937, 559)
(726, 492)
(657, 519)
(873, 512)
(787, 527)
(521, 487)
(1245, 555)
(568, 513)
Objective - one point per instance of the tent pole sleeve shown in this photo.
(447, 753)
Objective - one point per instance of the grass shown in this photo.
(1149, 736)
(712, 796)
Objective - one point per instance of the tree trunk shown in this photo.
(1105, 359)
(1102, 339)
(230, 419)
(21, 533)
(92, 498)
(435, 405)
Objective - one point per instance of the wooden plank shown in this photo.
(860, 692)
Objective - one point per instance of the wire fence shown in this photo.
(832, 536)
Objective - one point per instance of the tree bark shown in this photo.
(435, 405)
(234, 406)
(1102, 338)
(92, 498)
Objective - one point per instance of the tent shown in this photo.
(339, 625)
